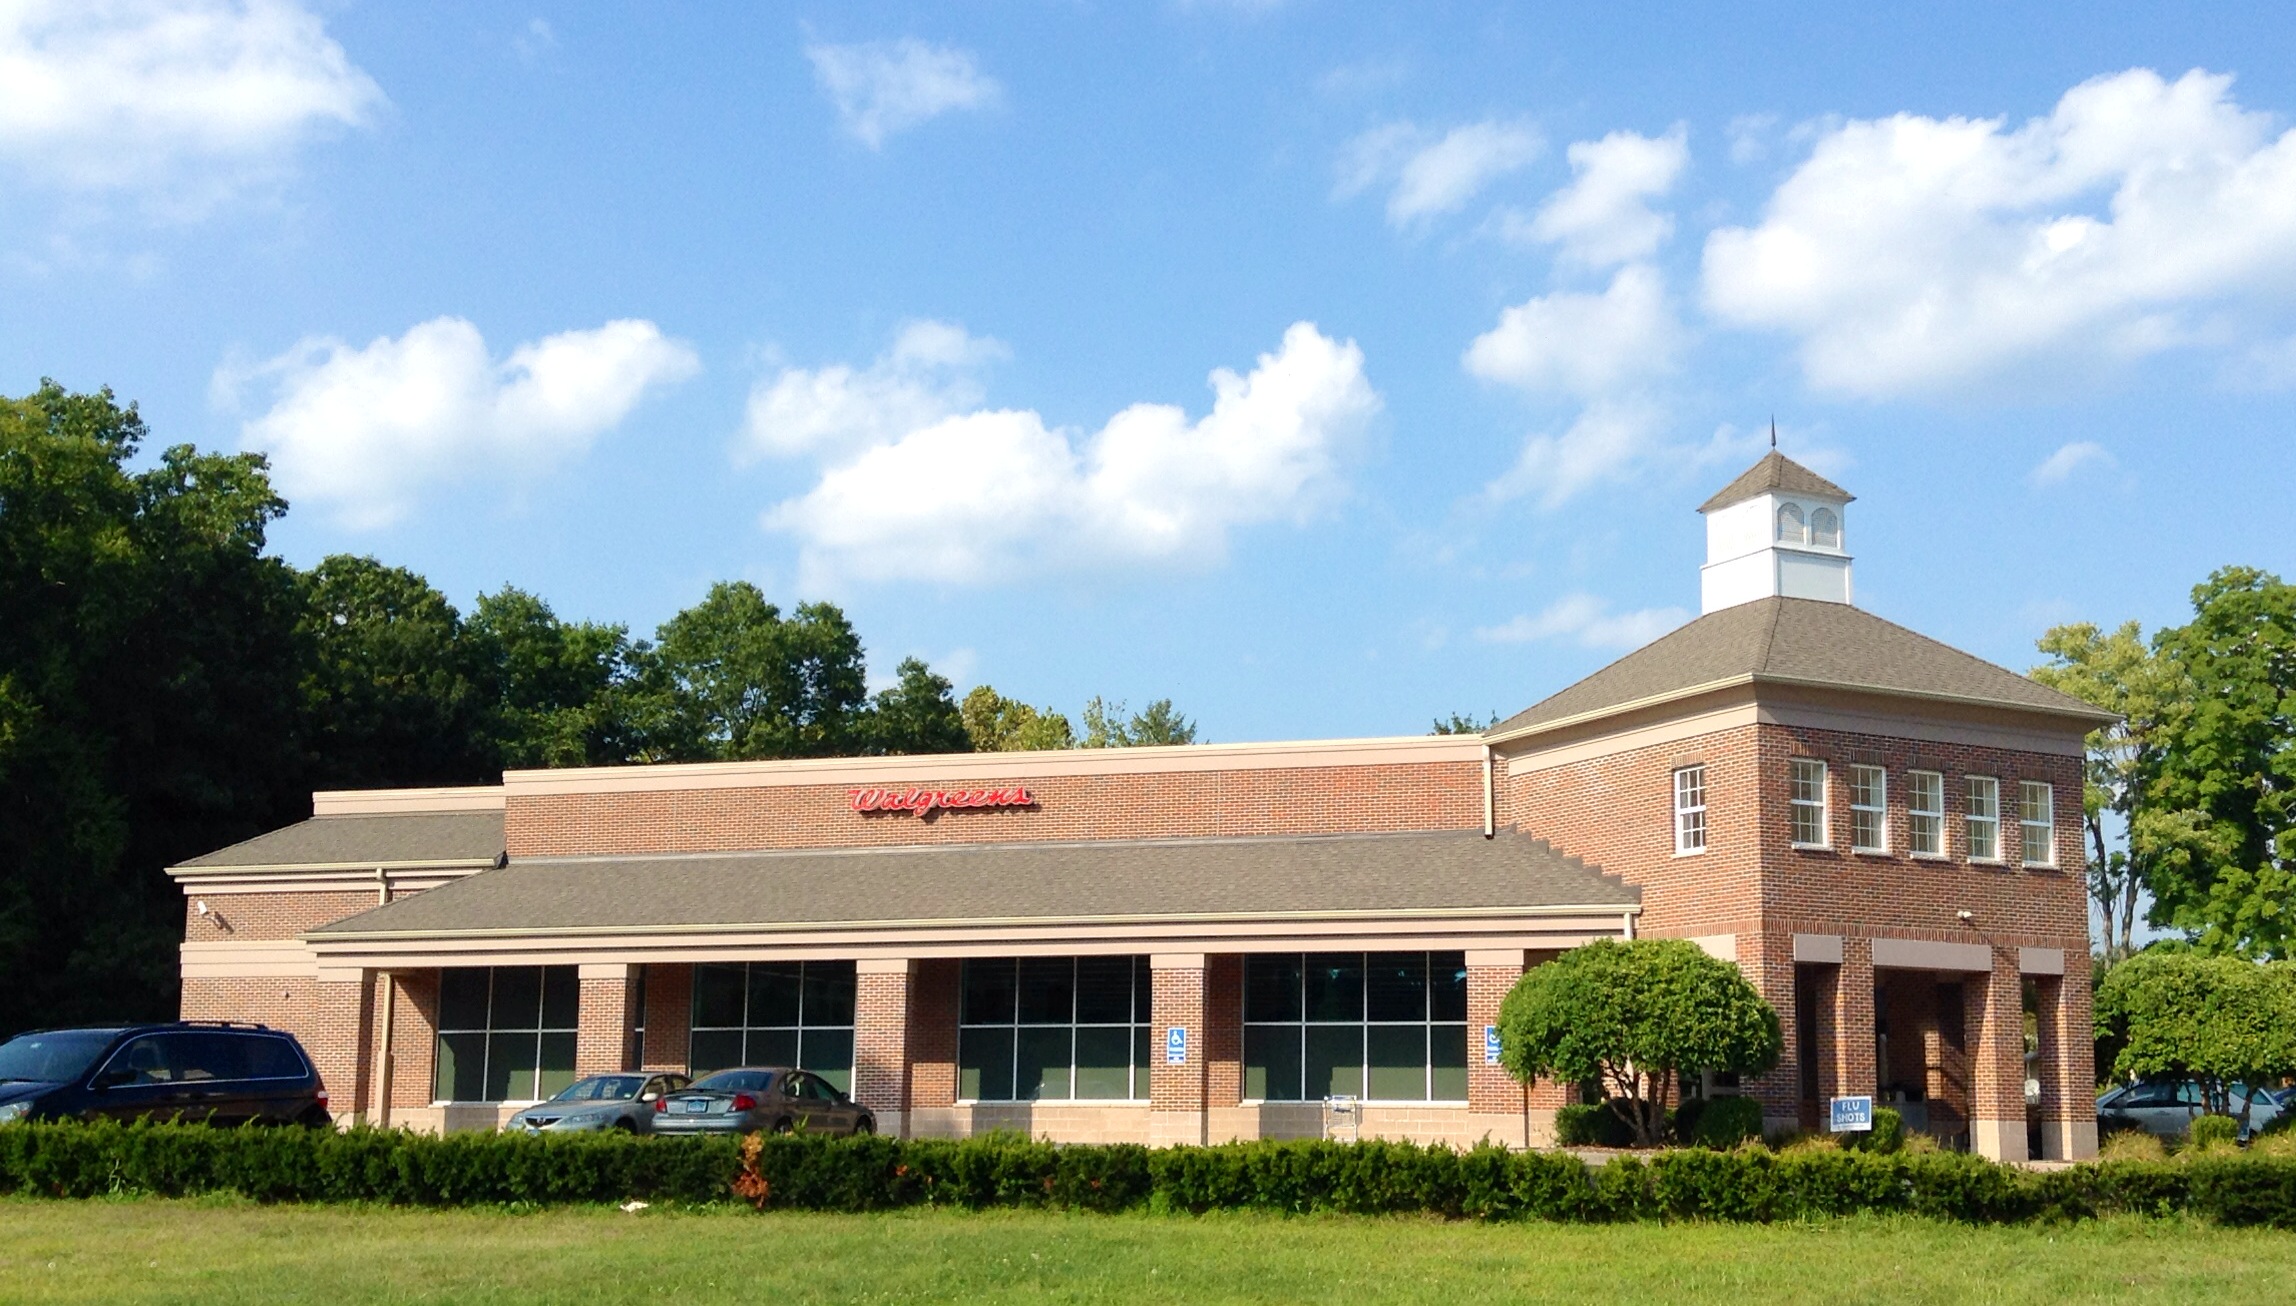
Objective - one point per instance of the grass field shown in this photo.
(215, 1251)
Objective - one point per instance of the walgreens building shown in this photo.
(1204, 943)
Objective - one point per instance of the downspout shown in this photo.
(1490, 796)
(383, 1039)
(1628, 918)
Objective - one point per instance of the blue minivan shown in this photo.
(213, 1072)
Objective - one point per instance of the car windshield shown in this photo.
(735, 1081)
(53, 1057)
(602, 1088)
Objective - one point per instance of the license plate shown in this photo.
(695, 1107)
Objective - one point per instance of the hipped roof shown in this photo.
(397, 839)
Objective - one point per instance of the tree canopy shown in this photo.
(1633, 1016)
(2222, 1020)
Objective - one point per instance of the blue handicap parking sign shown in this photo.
(1852, 1114)
(1490, 1045)
(1176, 1046)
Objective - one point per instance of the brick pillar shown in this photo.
(933, 1007)
(1177, 1093)
(345, 1008)
(414, 1047)
(602, 1020)
(881, 1041)
(669, 1018)
(1223, 1031)
(1498, 1105)
(2067, 1063)
(1850, 1057)
(1995, 1028)
(1767, 962)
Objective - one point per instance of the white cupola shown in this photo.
(1776, 531)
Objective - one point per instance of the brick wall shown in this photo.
(881, 1039)
(1285, 800)
(1223, 1031)
(933, 994)
(414, 1041)
(669, 1018)
(282, 1002)
(602, 1025)
(249, 917)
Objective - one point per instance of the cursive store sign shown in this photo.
(926, 801)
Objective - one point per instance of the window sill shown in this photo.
(2040, 866)
(1871, 852)
(1811, 847)
(1929, 857)
(1987, 861)
(1690, 852)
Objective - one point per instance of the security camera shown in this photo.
(1966, 916)
(200, 906)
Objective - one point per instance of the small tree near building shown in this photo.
(2221, 1020)
(1634, 1017)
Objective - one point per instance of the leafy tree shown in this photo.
(2221, 1020)
(1463, 723)
(997, 724)
(1105, 725)
(731, 678)
(917, 714)
(1633, 1016)
(2116, 671)
(149, 672)
(2214, 824)
(558, 689)
(393, 694)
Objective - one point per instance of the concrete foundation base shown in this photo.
(2069, 1140)
(2002, 1140)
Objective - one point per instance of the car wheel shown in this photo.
(865, 1125)
(781, 1126)
(624, 1125)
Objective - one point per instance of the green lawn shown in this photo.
(216, 1251)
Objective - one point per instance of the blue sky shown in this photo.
(1324, 368)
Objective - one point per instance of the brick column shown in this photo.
(1177, 1093)
(602, 1018)
(1223, 1031)
(341, 1052)
(1767, 962)
(2067, 1062)
(933, 1007)
(669, 1019)
(1498, 1105)
(414, 1047)
(881, 1041)
(1850, 1058)
(1995, 1029)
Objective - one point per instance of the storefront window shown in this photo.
(775, 1013)
(1034, 1029)
(1384, 1026)
(506, 1033)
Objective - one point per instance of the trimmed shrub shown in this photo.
(816, 1173)
(2213, 1131)
(1592, 1125)
(1722, 1123)
(1886, 1136)
(2131, 1145)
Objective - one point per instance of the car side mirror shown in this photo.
(114, 1078)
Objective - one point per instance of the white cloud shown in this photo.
(1432, 174)
(1604, 216)
(1610, 439)
(2069, 458)
(993, 495)
(1582, 344)
(365, 431)
(1913, 254)
(1587, 621)
(190, 96)
(884, 87)
(926, 376)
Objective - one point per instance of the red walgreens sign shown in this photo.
(924, 801)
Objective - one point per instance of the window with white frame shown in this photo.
(1925, 813)
(2036, 823)
(1808, 803)
(1981, 816)
(1826, 529)
(1690, 810)
(1869, 809)
(1790, 524)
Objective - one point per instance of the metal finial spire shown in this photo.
(1773, 430)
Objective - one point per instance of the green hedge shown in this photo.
(862, 1174)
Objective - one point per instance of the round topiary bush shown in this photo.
(1887, 1134)
(2213, 1131)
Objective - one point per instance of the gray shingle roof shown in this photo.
(1799, 641)
(396, 839)
(955, 883)
(1775, 472)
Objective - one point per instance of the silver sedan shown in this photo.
(624, 1102)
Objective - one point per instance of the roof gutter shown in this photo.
(188, 872)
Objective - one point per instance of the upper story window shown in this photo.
(1981, 815)
(1826, 529)
(1790, 529)
(1690, 810)
(1925, 813)
(2037, 823)
(1808, 803)
(1869, 809)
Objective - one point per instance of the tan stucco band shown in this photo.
(1924, 954)
(1818, 949)
(2041, 961)
(391, 802)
